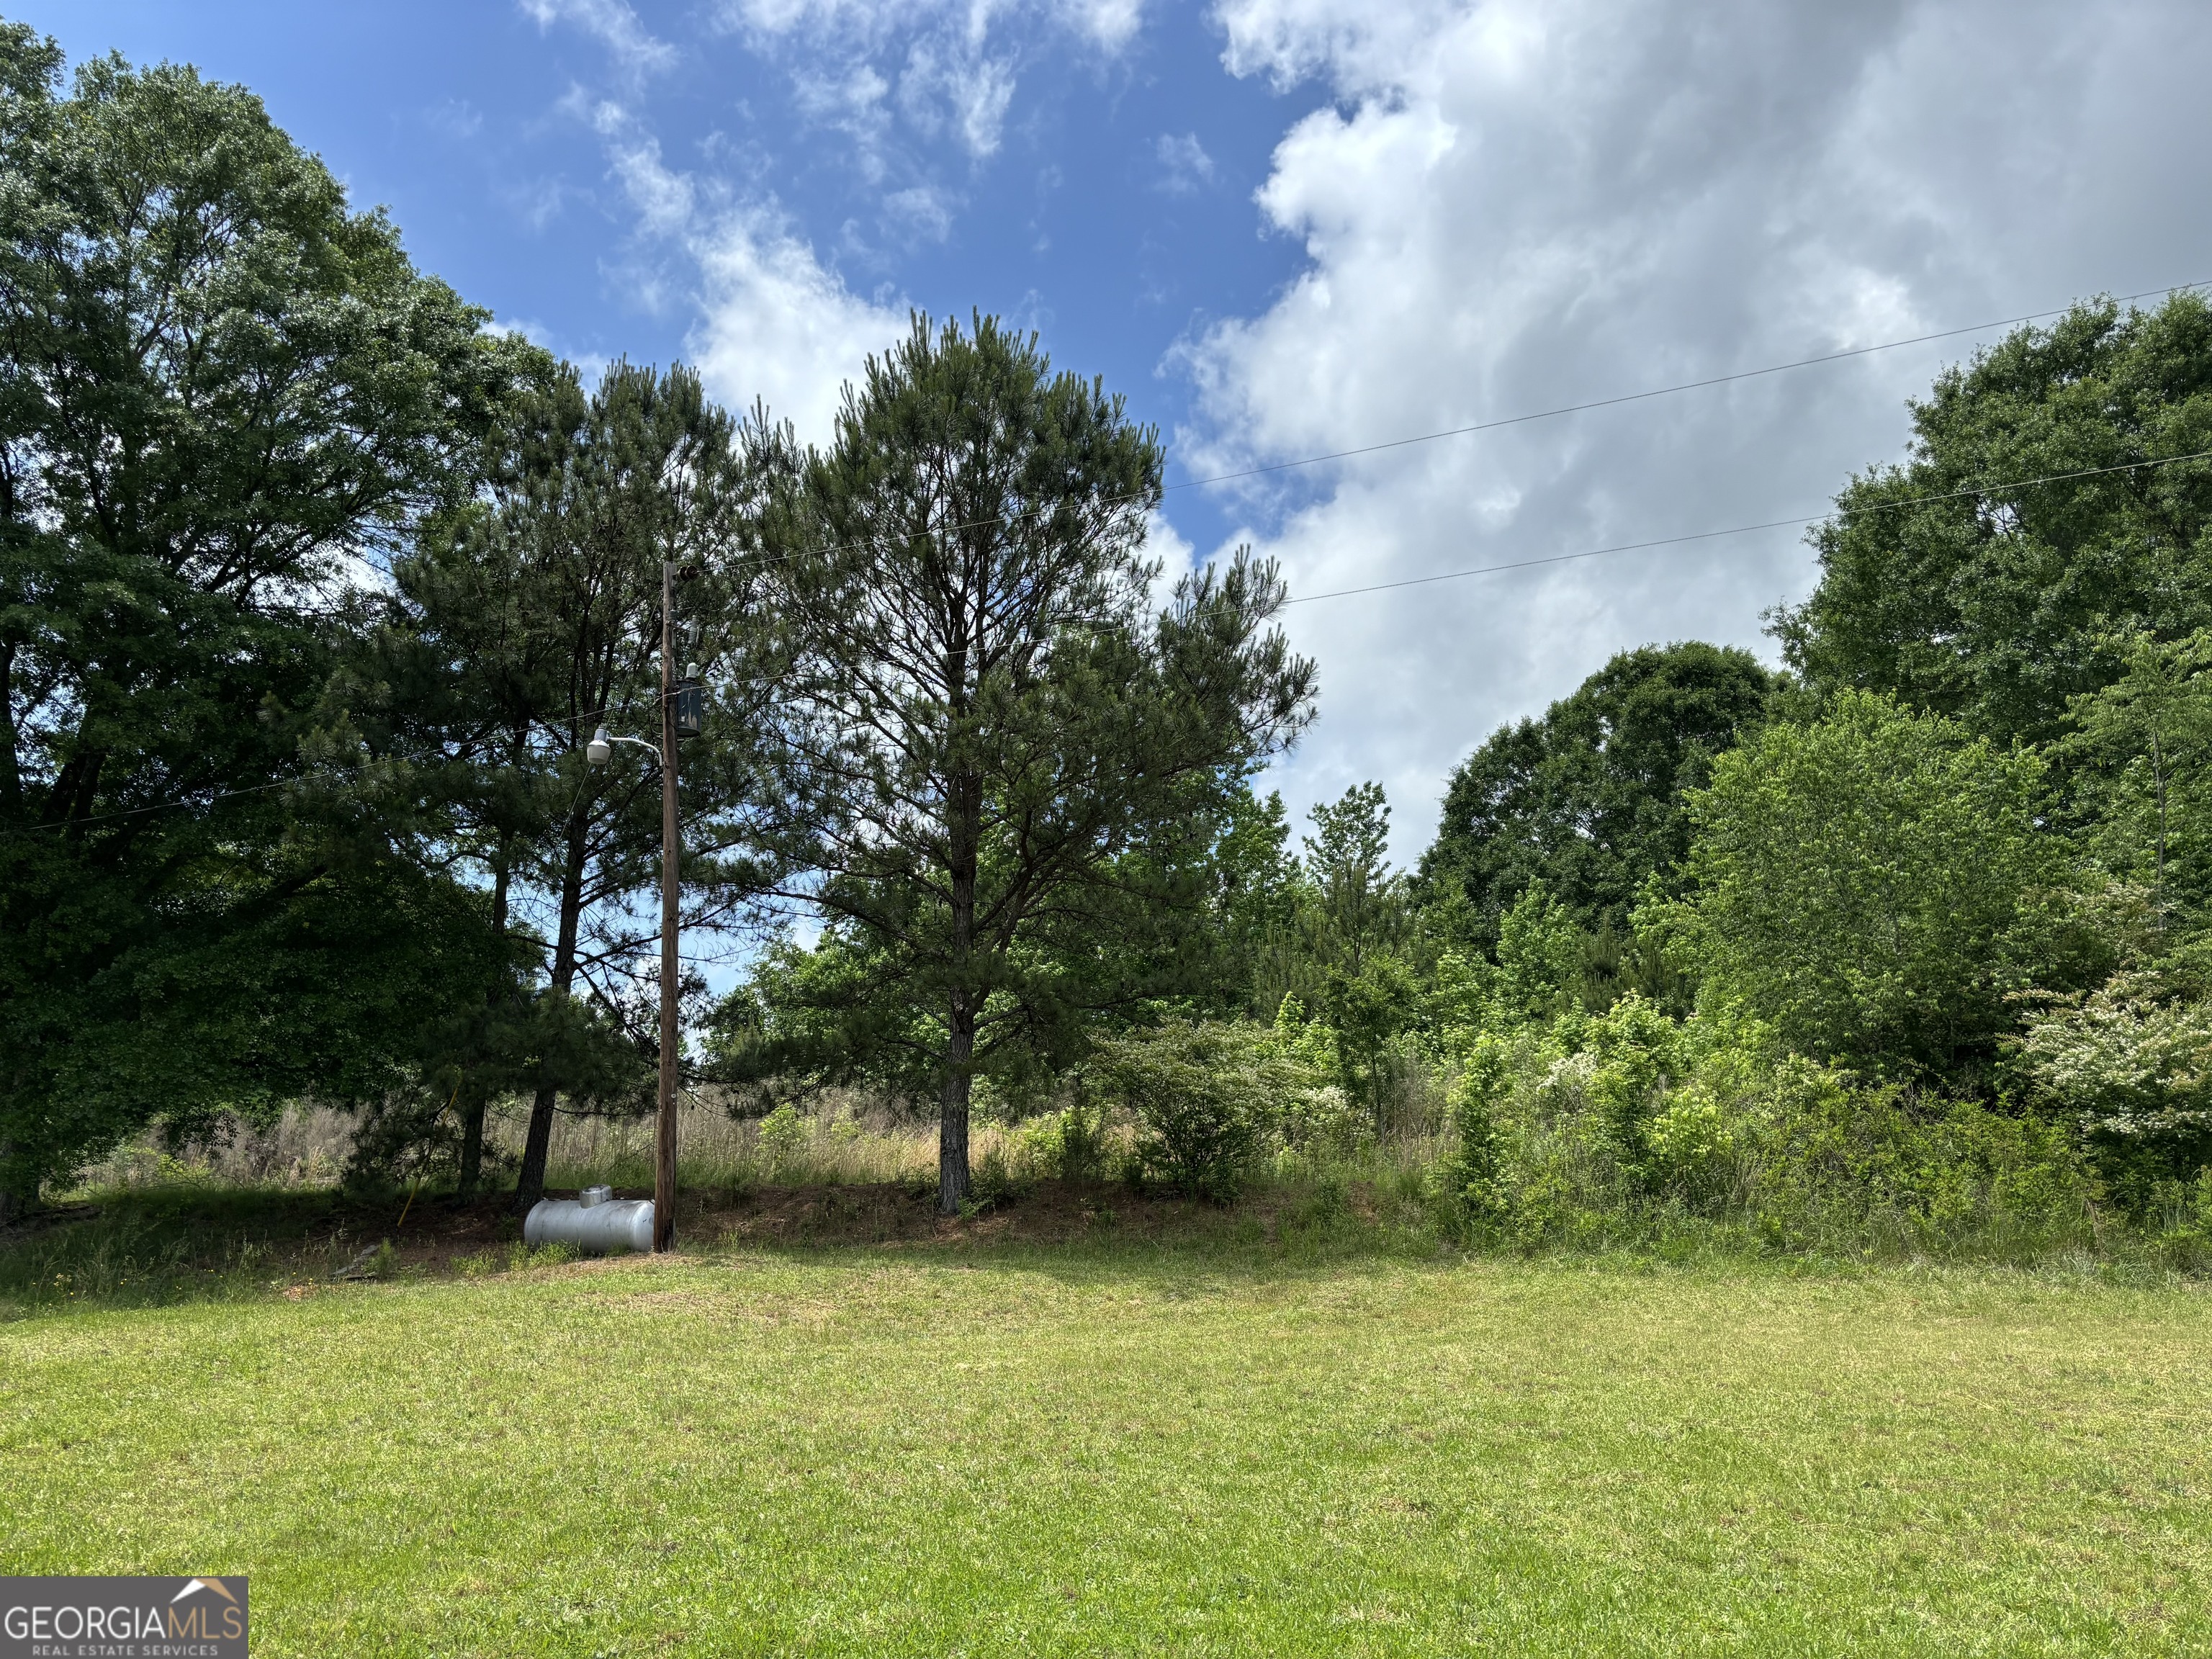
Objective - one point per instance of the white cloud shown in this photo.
(632, 46)
(951, 84)
(924, 212)
(952, 65)
(1518, 204)
(666, 201)
(1185, 167)
(1109, 25)
(774, 322)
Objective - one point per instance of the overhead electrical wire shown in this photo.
(1419, 581)
(1489, 426)
(1660, 391)
(1747, 529)
(1517, 420)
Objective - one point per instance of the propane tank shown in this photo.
(596, 1223)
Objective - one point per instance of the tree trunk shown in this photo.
(472, 1122)
(472, 1113)
(964, 814)
(11, 789)
(530, 1185)
(952, 1111)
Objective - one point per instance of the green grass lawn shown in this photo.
(1084, 1450)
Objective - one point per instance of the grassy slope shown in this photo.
(1138, 1451)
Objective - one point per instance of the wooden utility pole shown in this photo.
(671, 852)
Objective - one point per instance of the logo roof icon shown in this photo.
(215, 1585)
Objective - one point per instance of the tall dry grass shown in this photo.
(307, 1147)
(848, 1140)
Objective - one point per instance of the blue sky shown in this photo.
(1283, 227)
(1106, 202)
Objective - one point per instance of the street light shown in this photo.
(683, 704)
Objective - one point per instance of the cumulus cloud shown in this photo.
(776, 324)
(1510, 205)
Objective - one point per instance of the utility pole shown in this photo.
(671, 852)
(681, 708)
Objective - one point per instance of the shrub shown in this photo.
(782, 1136)
(1688, 1142)
(1069, 1145)
(1617, 1127)
(1829, 1157)
(1468, 1174)
(1870, 884)
(2133, 1059)
(1636, 1052)
(1206, 1096)
(995, 1180)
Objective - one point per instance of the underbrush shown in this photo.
(151, 1246)
(1622, 1135)
(148, 1246)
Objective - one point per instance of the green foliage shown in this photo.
(1587, 801)
(1068, 1145)
(1612, 1129)
(1539, 956)
(221, 389)
(1997, 606)
(991, 750)
(1468, 1175)
(1260, 889)
(1358, 908)
(2133, 1057)
(1206, 1096)
(782, 1136)
(2136, 758)
(2182, 1210)
(1873, 885)
(1828, 1158)
(1340, 946)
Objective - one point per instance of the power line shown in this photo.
(1512, 420)
(1492, 569)
(1747, 529)
(1660, 391)
(174, 805)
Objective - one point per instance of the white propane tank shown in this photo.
(596, 1224)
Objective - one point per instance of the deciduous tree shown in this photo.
(224, 396)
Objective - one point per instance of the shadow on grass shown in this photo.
(155, 1246)
(151, 1246)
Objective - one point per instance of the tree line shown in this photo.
(313, 585)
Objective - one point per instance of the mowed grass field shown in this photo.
(1087, 1451)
